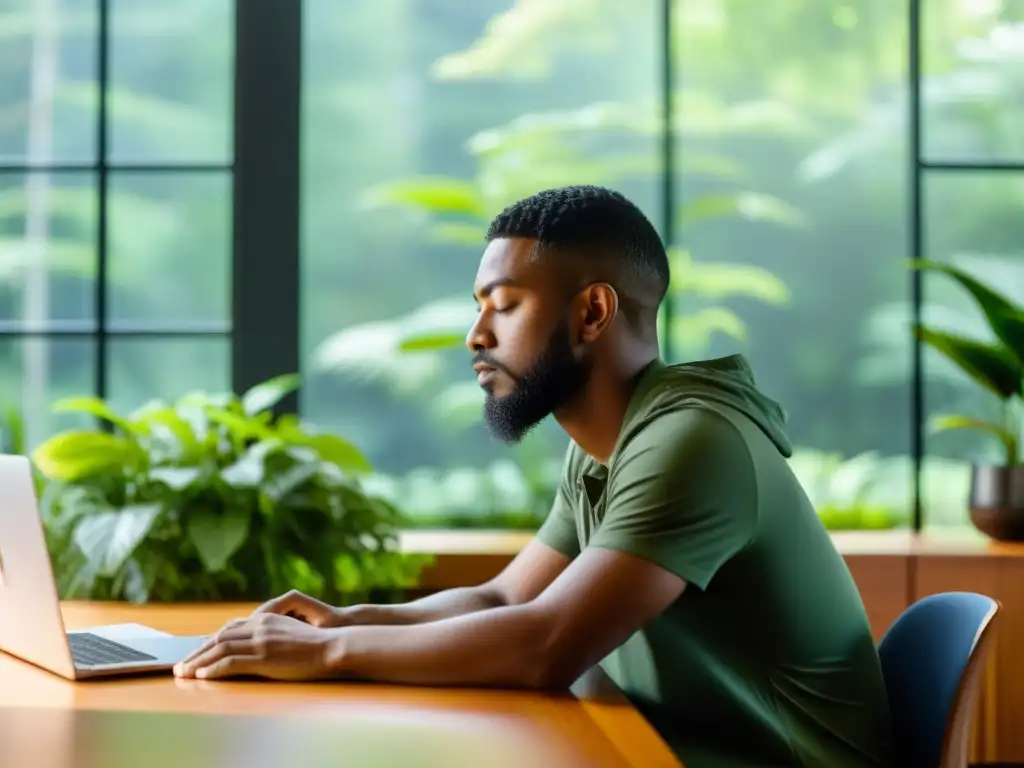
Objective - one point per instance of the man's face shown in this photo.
(522, 341)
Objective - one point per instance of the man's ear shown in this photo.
(598, 306)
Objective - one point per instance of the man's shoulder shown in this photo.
(674, 427)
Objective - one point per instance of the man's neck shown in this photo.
(594, 419)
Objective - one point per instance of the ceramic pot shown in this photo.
(997, 501)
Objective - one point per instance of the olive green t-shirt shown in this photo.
(767, 658)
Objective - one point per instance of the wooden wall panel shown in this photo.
(883, 582)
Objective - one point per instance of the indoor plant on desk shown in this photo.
(215, 498)
(996, 491)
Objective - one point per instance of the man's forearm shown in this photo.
(442, 605)
(506, 647)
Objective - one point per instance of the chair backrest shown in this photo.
(932, 660)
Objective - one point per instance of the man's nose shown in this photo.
(479, 337)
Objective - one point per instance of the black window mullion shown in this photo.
(265, 282)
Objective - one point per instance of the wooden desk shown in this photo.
(352, 724)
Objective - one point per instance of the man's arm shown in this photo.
(601, 599)
(529, 573)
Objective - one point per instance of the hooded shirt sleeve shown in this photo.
(682, 494)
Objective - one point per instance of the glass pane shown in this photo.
(974, 223)
(973, 85)
(431, 104)
(47, 250)
(791, 233)
(48, 95)
(170, 249)
(36, 372)
(171, 81)
(146, 368)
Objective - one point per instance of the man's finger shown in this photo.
(228, 631)
(281, 604)
(230, 666)
(239, 644)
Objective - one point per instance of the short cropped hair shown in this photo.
(602, 228)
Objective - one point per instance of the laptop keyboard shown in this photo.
(92, 650)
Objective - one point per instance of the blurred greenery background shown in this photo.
(421, 118)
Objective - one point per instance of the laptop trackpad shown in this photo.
(169, 648)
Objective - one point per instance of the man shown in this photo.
(681, 552)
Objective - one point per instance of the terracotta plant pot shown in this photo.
(997, 501)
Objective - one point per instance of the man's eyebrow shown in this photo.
(488, 289)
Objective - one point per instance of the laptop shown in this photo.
(31, 625)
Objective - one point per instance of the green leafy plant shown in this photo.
(214, 497)
(998, 366)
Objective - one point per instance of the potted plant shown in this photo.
(213, 497)
(996, 490)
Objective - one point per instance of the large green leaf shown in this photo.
(991, 366)
(1005, 318)
(247, 472)
(109, 538)
(217, 536)
(269, 393)
(158, 416)
(94, 406)
(943, 422)
(176, 478)
(73, 456)
(239, 427)
(338, 451)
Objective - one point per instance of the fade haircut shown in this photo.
(603, 233)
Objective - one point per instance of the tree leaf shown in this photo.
(1005, 318)
(991, 366)
(217, 536)
(109, 538)
(722, 280)
(950, 421)
(434, 194)
(431, 342)
(269, 393)
(72, 456)
(744, 205)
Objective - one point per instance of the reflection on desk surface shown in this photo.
(382, 736)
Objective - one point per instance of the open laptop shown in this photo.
(31, 625)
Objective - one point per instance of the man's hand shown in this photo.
(304, 608)
(265, 645)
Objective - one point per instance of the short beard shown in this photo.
(555, 379)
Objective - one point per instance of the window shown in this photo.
(794, 158)
(115, 161)
(972, 201)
